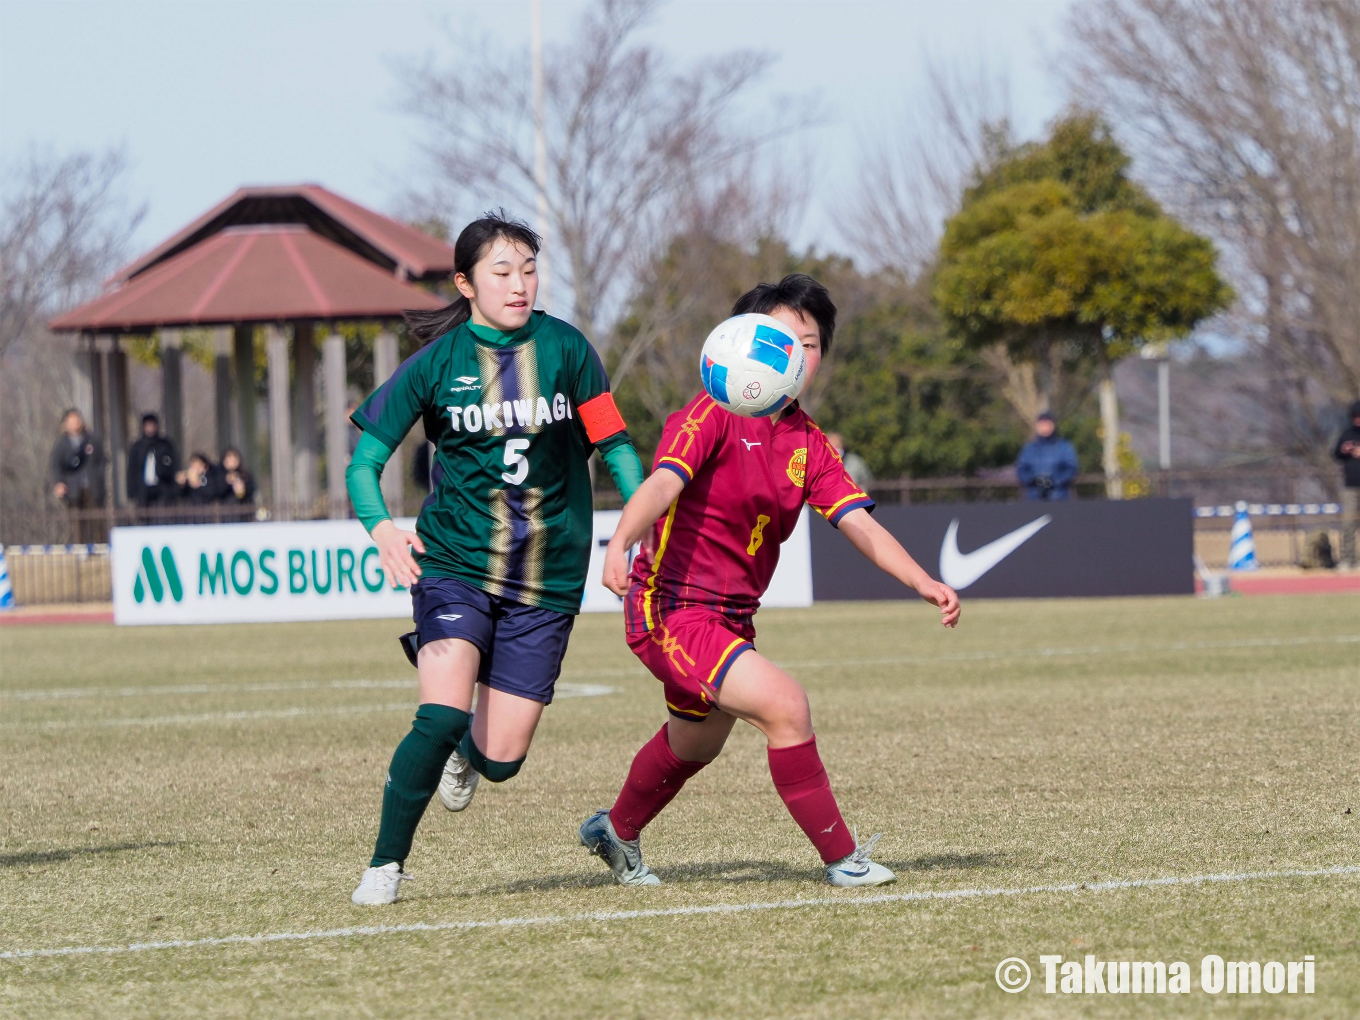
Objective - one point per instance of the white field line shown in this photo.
(1173, 646)
(1055, 652)
(63, 693)
(563, 691)
(715, 908)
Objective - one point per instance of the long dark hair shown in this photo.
(470, 248)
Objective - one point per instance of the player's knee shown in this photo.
(441, 724)
(489, 769)
(789, 719)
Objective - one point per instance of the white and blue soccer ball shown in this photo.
(753, 365)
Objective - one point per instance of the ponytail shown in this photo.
(470, 248)
(427, 325)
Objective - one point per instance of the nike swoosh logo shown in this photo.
(959, 570)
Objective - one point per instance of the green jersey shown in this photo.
(513, 424)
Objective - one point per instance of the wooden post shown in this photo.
(222, 386)
(393, 477)
(1109, 424)
(304, 413)
(118, 421)
(82, 377)
(99, 376)
(280, 428)
(247, 425)
(172, 390)
(337, 425)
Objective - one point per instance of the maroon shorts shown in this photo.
(689, 650)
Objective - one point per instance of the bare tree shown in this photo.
(912, 178)
(64, 227)
(629, 141)
(56, 237)
(1246, 115)
(711, 256)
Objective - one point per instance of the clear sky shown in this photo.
(206, 96)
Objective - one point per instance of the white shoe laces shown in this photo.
(388, 878)
(863, 850)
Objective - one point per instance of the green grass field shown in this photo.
(200, 783)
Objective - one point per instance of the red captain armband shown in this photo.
(600, 415)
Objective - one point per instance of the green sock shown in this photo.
(413, 777)
(495, 771)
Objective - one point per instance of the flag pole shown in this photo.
(540, 148)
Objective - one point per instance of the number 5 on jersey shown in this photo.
(515, 459)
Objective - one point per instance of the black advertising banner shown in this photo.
(1022, 550)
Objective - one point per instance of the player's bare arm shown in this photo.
(886, 553)
(650, 501)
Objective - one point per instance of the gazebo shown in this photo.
(287, 258)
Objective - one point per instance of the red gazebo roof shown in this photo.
(396, 247)
(262, 273)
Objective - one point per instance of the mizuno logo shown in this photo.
(149, 577)
(749, 444)
(449, 616)
(959, 570)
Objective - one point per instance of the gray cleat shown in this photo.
(623, 857)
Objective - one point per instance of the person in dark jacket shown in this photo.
(152, 466)
(200, 483)
(77, 474)
(238, 486)
(1048, 463)
(1347, 451)
(239, 482)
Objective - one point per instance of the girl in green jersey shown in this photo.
(515, 402)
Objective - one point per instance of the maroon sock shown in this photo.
(653, 781)
(801, 781)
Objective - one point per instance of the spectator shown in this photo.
(152, 466)
(77, 473)
(198, 486)
(238, 484)
(855, 465)
(1048, 463)
(1347, 451)
(200, 483)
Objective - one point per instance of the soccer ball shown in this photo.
(753, 365)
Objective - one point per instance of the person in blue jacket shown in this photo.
(1048, 463)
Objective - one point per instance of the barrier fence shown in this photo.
(62, 556)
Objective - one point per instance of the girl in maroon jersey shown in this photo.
(725, 493)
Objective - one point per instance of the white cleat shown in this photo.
(458, 783)
(380, 886)
(857, 869)
(623, 857)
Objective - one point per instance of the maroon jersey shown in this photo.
(746, 480)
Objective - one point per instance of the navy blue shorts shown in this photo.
(522, 646)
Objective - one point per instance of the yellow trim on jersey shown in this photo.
(689, 471)
(840, 503)
(687, 711)
(723, 658)
(656, 566)
(690, 427)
